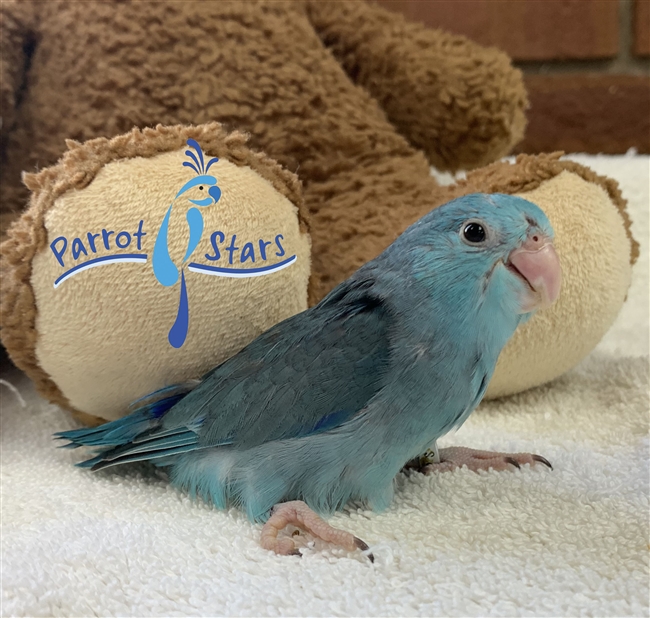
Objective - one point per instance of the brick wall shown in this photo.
(586, 64)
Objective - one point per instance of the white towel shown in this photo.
(571, 542)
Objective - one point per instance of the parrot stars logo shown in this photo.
(126, 243)
(164, 269)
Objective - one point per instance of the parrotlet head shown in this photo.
(506, 238)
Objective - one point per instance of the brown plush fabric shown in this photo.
(345, 94)
(460, 103)
(17, 30)
(17, 38)
(99, 68)
(76, 170)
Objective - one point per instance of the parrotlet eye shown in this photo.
(201, 188)
(474, 233)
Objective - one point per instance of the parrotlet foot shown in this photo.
(297, 513)
(459, 456)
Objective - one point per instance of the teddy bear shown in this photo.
(349, 103)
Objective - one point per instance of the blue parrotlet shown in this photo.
(329, 405)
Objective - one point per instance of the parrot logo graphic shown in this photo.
(166, 272)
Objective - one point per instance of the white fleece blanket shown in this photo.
(571, 542)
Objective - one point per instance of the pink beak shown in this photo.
(537, 262)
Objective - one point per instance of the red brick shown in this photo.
(642, 28)
(525, 29)
(587, 113)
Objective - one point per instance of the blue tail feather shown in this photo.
(159, 433)
(89, 463)
(68, 445)
(99, 462)
(114, 433)
(137, 436)
(163, 393)
(181, 438)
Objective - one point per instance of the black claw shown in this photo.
(363, 546)
(543, 460)
(514, 462)
(295, 552)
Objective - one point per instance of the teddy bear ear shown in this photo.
(131, 270)
(596, 250)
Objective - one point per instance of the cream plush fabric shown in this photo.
(82, 311)
(119, 315)
(533, 542)
(598, 276)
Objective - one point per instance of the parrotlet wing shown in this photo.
(308, 374)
